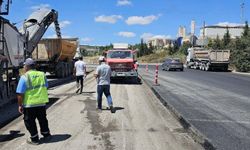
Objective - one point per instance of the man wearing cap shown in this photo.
(32, 97)
(102, 74)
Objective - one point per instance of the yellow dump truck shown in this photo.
(56, 56)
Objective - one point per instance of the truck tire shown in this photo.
(59, 70)
(66, 70)
(207, 67)
(69, 69)
(202, 67)
(225, 68)
(71, 66)
(196, 66)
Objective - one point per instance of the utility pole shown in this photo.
(203, 34)
(242, 16)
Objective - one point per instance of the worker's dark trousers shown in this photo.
(30, 115)
(80, 79)
(106, 90)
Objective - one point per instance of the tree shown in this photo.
(241, 53)
(151, 48)
(175, 47)
(105, 48)
(246, 30)
(184, 47)
(210, 43)
(217, 43)
(170, 50)
(226, 39)
(83, 52)
(141, 49)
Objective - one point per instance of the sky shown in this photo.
(101, 22)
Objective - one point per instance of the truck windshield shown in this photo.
(120, 54)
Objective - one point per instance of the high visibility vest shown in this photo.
(36, 93)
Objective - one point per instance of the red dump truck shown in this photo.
(122, 62)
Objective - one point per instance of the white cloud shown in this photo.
(161, 37)
(141, 20)
(87, 39)
(229, 24)
(149, 36)
(64, 23)
(108, 19)
(41, 6)
(123, 2)
(127, 34)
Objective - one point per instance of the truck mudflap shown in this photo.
(124, 74)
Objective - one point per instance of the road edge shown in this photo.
(191, 130)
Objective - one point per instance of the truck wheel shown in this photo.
(59, 70)
(225, 68)
(66, 70)
(202, 67)
(196, 66)
(207, 68)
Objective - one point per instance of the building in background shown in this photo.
(182, 32)
(160, 42)
(182, 37)
(212, 32)
(192, 27)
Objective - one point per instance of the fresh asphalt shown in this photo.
(217, 104)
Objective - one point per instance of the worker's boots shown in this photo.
(112, 109)
(46, 138)
(33, 141)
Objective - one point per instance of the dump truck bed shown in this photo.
(55, 50)
(213, 55)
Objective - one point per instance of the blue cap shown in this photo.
(29, 61)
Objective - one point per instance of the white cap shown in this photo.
(101, 58)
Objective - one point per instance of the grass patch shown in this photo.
(160, 56)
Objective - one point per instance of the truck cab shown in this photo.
(122, 62)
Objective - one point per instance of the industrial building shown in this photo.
(182, 32)
(213, 31)
(160, 42)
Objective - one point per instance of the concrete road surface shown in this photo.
(216, 103)
(140, 122)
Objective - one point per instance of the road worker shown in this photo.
(102, 74)
(80, 73)
(32, 97)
